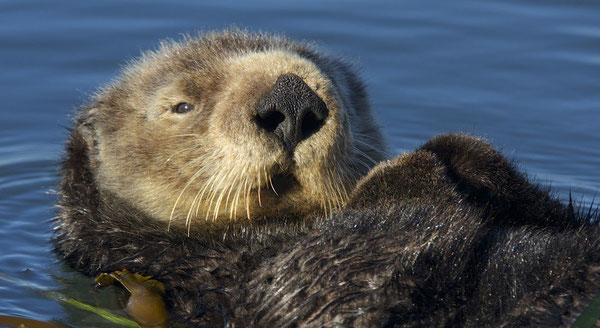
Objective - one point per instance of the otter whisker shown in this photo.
(237, 198)
(358, 138)
(364, 135)
(329, 192)
(213, 194)
(218, 205)
(369, 160)
(178, 152)
(377, 150)
(231, 184)
(359, 161)
(234, 203)
(240, 193)
(272, 186)
(247, 195)
(198, 199)
(208, 185)
(323, 193)
(349, 175)
(259, 188)
(188, 217)
(194, 177)
(363, 154)
(339, 198)
(246, 191)
(220, 198)
(186, 135)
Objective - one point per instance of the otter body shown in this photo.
(240, 171)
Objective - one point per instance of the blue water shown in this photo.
(524, 74)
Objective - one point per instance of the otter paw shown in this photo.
(408, 176)
(479, 170)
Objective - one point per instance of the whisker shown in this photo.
(194, 177)
(367, 166)
(210, 204)
(366, 135)
(363, 154)
(220, 198)
(259, 188)
(177, 152)
(185, 135)
(237, 198)
(247, 192)
(208, 184)
(330, 212)
(231, 184)
(188, 217)
(336, 188)
(198, 200)
(218, 205)
(272, 187)
(367, 145)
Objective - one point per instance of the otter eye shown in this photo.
(183, 108)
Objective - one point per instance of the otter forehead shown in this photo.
(261, 114)
(273, 63)
(209, 55)
(190, 71)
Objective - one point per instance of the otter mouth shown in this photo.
(281, 183)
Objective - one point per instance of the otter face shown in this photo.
(231, 126)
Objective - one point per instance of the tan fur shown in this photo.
(215, 162)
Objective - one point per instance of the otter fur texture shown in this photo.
(450, 234)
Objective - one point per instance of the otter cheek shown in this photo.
(232, 121)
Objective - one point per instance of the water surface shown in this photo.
(523, 74)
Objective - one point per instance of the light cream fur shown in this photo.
(215, 162)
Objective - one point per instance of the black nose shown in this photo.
(292, 110)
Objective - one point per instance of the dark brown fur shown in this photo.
(448, 235)
(426, 240)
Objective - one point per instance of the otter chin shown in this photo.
(245, 172)
(231, 126)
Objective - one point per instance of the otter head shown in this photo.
(231, 126)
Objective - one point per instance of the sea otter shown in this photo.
(245, 172)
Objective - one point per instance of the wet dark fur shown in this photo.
(449, 235)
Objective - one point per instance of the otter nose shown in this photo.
(292, 110)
